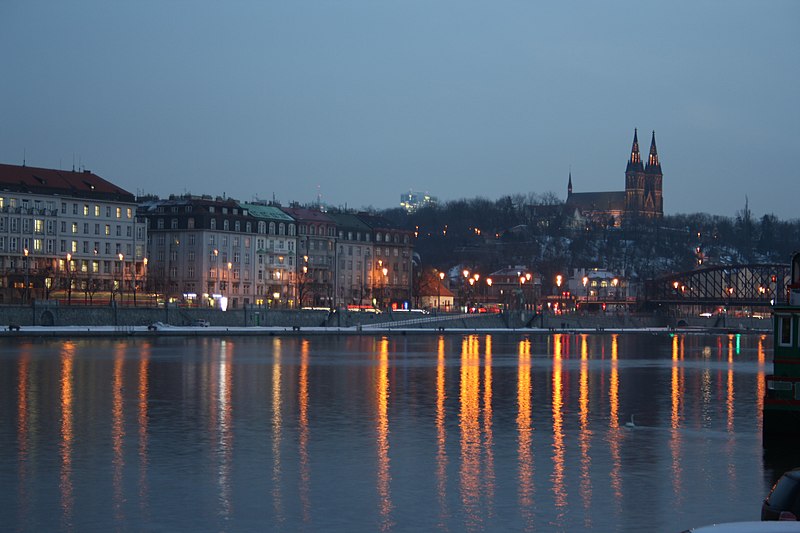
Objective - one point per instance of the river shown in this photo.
(547, 432)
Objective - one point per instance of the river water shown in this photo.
(396, 433)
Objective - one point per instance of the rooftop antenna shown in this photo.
(73, 161)
(319, 196)
(24, 155)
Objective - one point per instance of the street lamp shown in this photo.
(216, 271)
(230, 265)
(121, 277)
(385, 271)
(144, 278)
(69, 279)
(439, 291)
(585, 291)
(27, 272)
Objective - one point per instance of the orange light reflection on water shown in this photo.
(559, 492)
(525, 430)
(760, 385)
(676, 395)
(118, 432)
(730, 389)
(441, 434)
(23, 427)
(615, 436)
(302, 401)
(469, 421)
(382, 422)
(585, 435)
(144, 363)
(65, 481)
(277, 429)
(488, 444)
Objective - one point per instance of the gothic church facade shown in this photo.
(641, 199)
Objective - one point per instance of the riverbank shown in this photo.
(164, 330)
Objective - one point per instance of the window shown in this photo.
(74, 247)
(237, 226)
(108, 211)
(213, 224)
(173, 224)
(86, 228)
(74, 227)
(129, 213)
(119, 212)
(63, 208)
(190, 223)
(97, 210)
(86, 210)
(108, 229)
(160, 223)
(225, 225)
(785, 330)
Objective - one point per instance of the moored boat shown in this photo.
(782, 398)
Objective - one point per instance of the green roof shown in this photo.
(266, 211)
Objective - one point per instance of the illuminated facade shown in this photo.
(641, 199)
(67, 232)
(216, 252)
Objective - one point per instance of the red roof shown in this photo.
(50, 181)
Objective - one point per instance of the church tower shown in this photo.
(634, 181)
(654, 203)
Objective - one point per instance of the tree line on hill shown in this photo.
(538, 231)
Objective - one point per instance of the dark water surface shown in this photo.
(399, 433)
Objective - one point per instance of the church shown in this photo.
(641, 199)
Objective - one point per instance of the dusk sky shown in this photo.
(362, 101)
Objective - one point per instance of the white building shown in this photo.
(68, 235)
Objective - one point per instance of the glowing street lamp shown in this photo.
(439, 291)
(69, 279)
(122, 276)
(27, 272)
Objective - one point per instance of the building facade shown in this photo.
(68, 235)
(641, 199)
(220, 253)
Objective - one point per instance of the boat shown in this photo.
(782, 391)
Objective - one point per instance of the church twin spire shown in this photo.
(653, 166)
(635, 161)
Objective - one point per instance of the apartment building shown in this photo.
(70, 235)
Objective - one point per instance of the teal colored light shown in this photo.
(738, 343)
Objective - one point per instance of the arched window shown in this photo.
(225, 225)
(213, 223)
(272, 228)
(281, 229)
(262, 227)
(248, 227)
(291, 229)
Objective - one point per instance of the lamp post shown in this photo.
(230, 265)
(439, 291)
(144, 277)
(385, 271)
(585, 290)
(216, 272)
(69, 279)
(27, 272)
(559, 279)
(122, 277)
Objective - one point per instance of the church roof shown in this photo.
(597, 201)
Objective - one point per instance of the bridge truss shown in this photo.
(754, 285)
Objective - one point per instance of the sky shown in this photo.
(360, 101)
